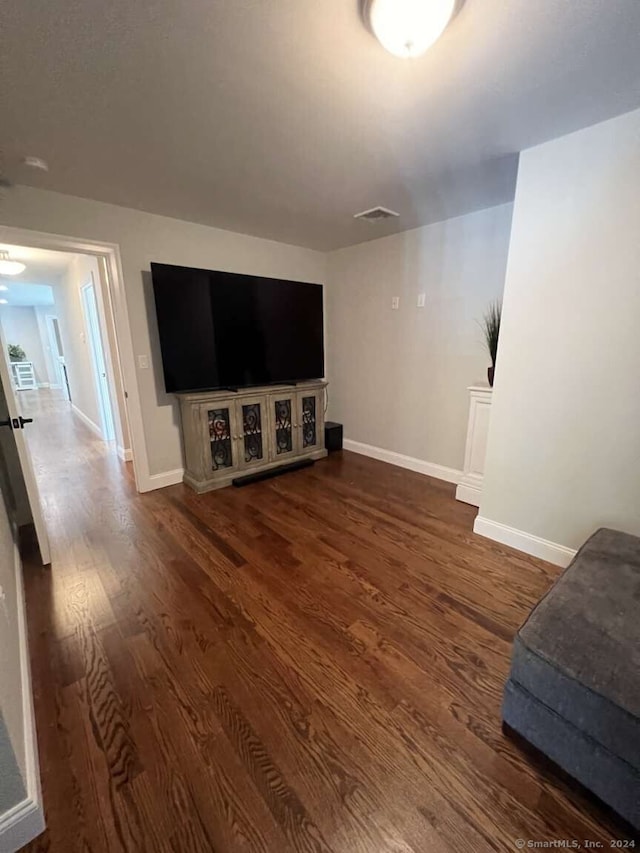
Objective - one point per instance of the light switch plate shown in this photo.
(421, 300)
(143, 362)
(395, 303)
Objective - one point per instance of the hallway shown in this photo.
(57, 437)
(311, 663)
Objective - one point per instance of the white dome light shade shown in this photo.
(9, 267)
(408, 28)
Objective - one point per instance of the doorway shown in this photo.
(98, 361)
(58, 317)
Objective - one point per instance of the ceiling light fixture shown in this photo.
(3, 287)
(9, 267)
(408, 28)
(4, 301)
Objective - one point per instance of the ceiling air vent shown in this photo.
(376, 214)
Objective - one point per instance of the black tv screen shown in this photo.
(223, 330)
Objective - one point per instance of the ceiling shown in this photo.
(26, 294)
(33, 286)
(283, 118)
(43, 266)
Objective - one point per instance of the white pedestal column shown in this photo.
(470, 487)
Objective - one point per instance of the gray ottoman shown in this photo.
(574, 686)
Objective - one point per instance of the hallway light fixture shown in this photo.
(9, 267)
(3, 287)
(4, 301)
(408, 28)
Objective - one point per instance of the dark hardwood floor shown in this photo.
(313, 663)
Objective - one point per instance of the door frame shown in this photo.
(105, 406)
(121, 363)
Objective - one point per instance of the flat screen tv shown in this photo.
(223, 330)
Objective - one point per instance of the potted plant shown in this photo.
(16, 353)
(491, 329)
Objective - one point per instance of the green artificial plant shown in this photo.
(491, 328)
(16, 353)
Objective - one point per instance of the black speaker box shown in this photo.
(332, 436)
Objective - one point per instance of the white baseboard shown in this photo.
(125, 453)
(451, 475)
(87, 421)
(20, 825)
(468, 494)
(560, 555)
(161, 481)
(431, 469)
(25, 821)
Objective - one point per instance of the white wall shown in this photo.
(398, 379)
(77, 353)
(20, 326)
(143, 238)
(564, 444)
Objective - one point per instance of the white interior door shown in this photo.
(16, 424)
(97, 356)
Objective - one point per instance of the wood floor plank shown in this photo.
(312, 663)
(281, 711)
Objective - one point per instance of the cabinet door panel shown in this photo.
(284, 435)
(220, 420)
(252, 419)
(311, 419)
